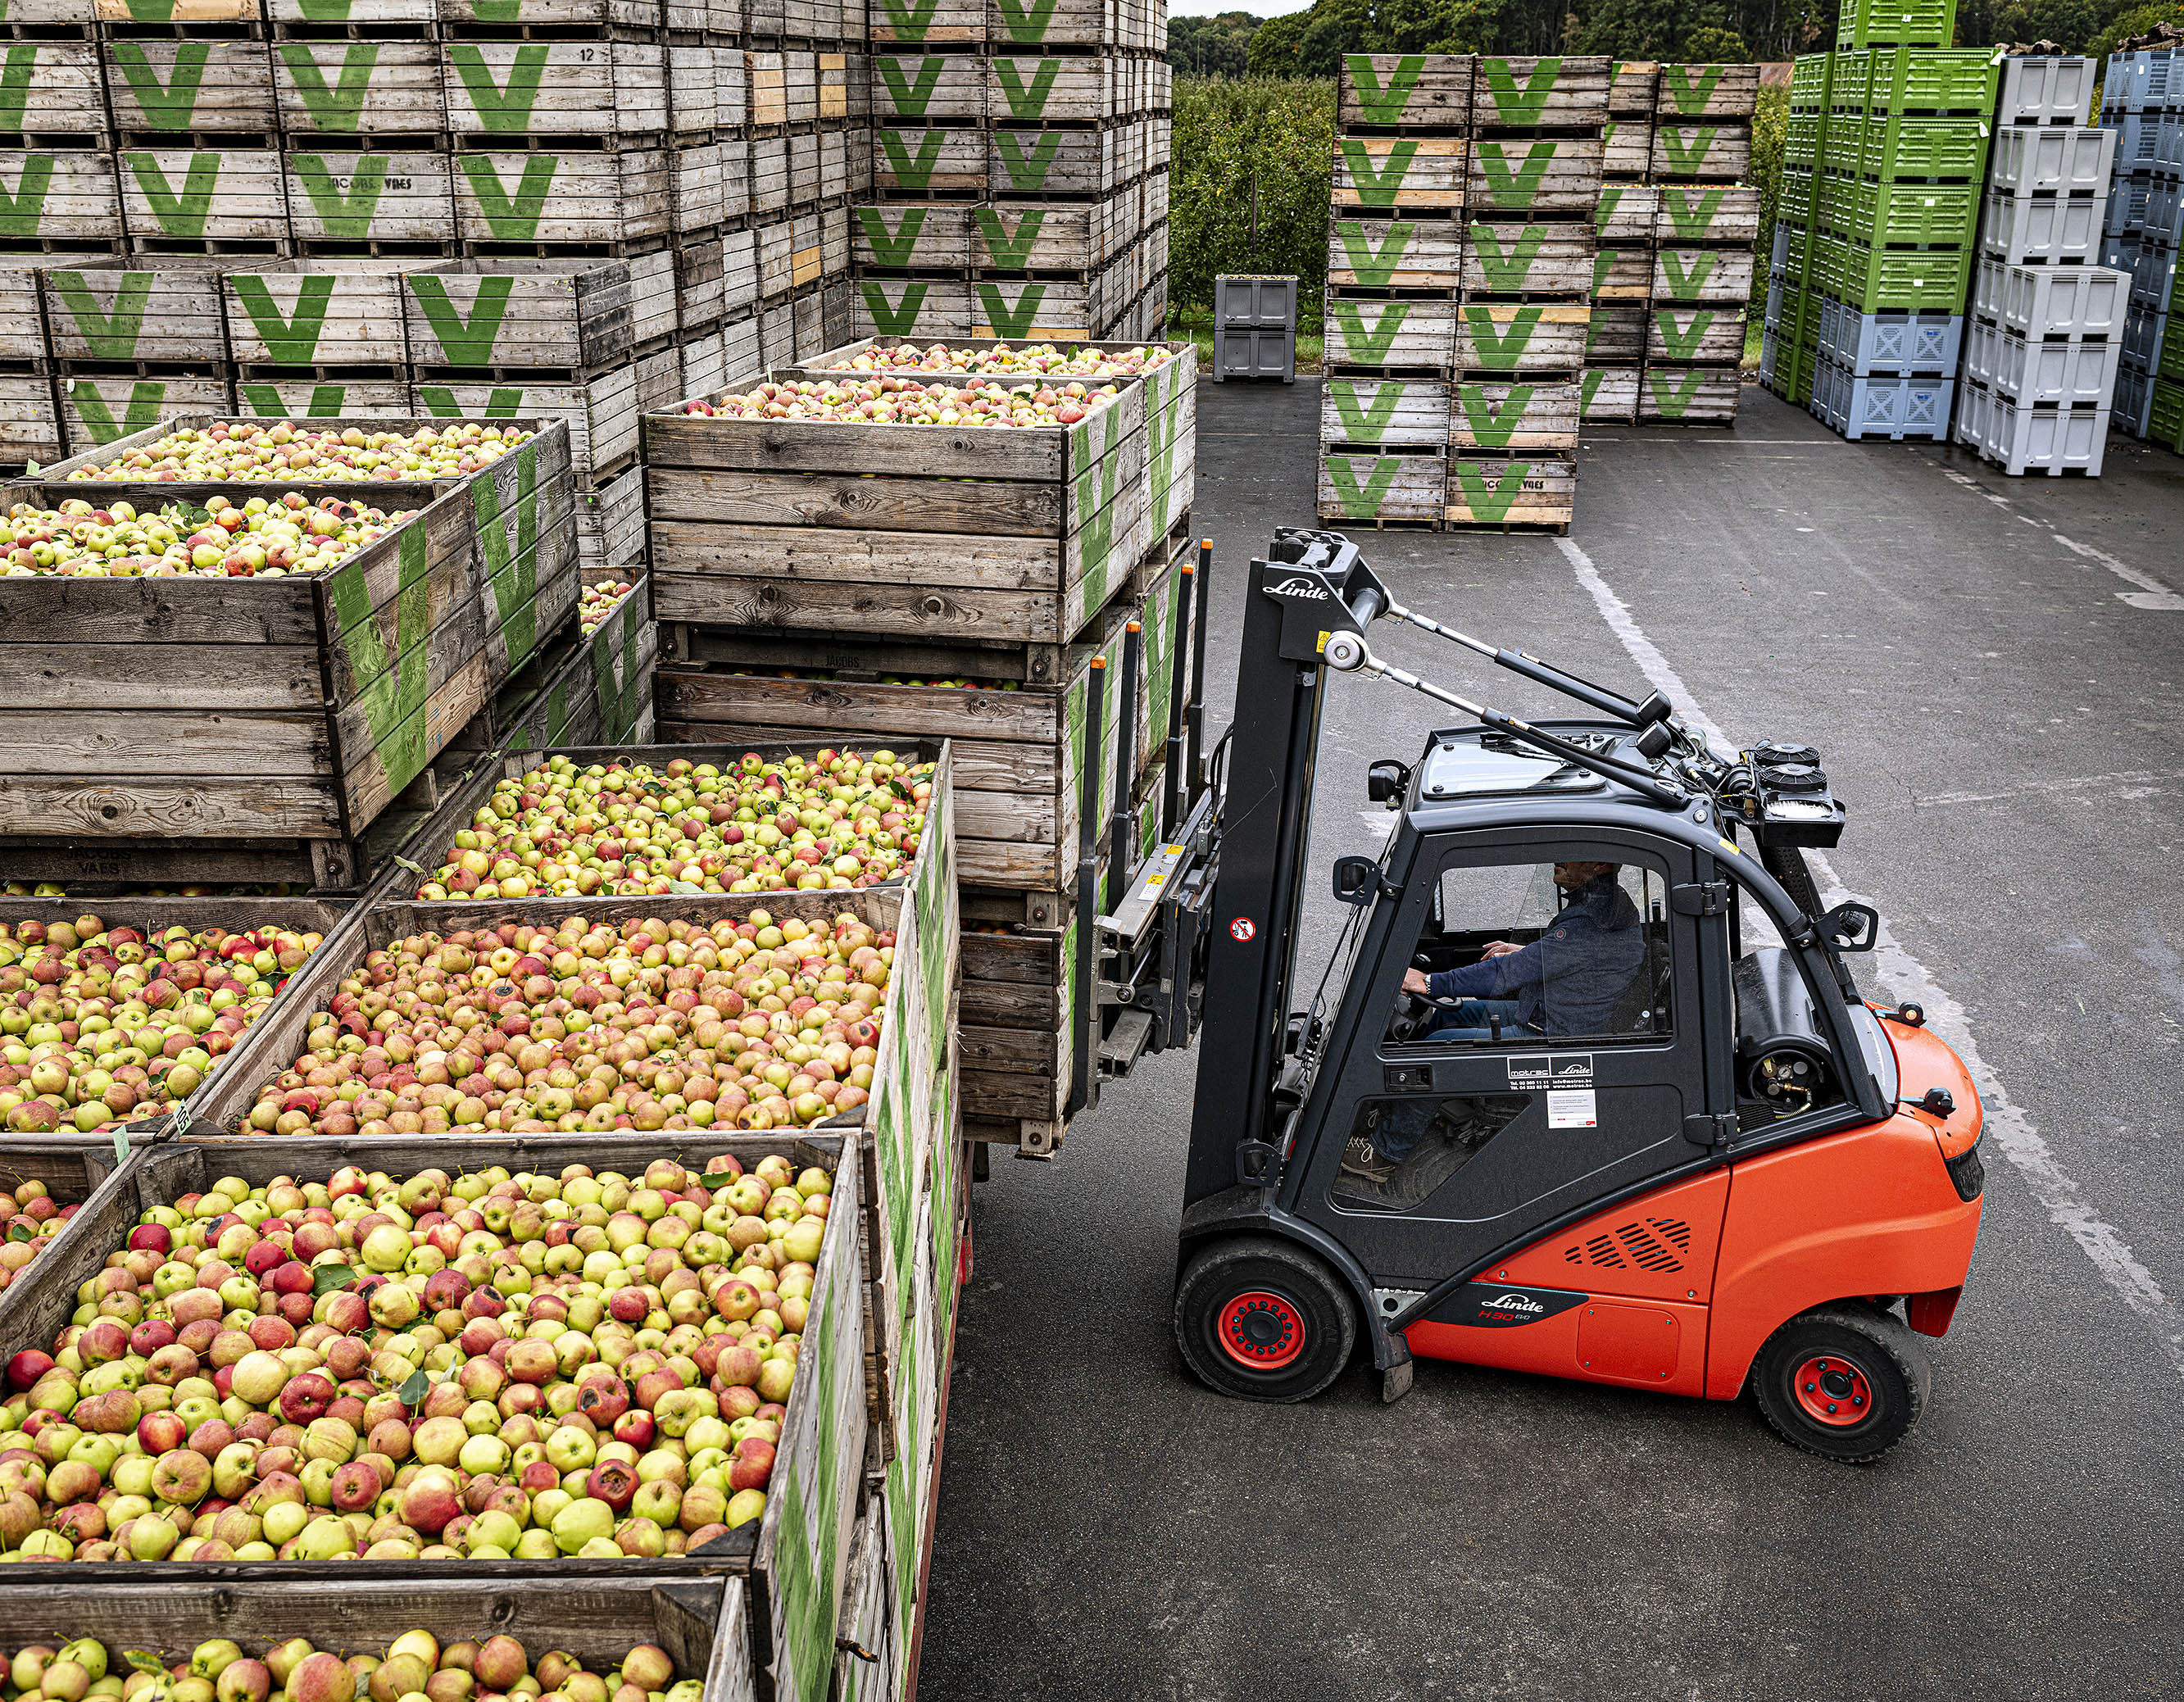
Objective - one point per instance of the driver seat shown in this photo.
(1644, 1007)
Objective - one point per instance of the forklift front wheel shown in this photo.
(1260, 1319)
(1845, 1382)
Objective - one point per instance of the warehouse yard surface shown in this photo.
(1991, 669)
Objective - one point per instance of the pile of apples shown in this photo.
(258, 538)
(836, 821)
(416, 1664)
(100, 1025)
(485, 1365)
(30, 1218)
(1081, 360)
(598, 602)
(961, 682)
(246, 449)
(892, 401)
(594, 1026)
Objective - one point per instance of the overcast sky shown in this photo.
(1257, 8)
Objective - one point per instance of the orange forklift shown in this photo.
(1587, 1088)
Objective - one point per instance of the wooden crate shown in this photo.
(60, 198)
(769, 175)
(554, 88)
(54, 88)
(703, 1624)
(1400, 174)
(593, 688)
(1510, 337)
(97, 409)
(927, 161)
(1410, 334)
(1528, 260)
(1048, 22)
(109, 309)
(920, 309)
(1686, 336)
(1524, 176)
(1384, 413)
(1034, 236)
(1702, 152)
(694, 92)
(359, 88)
(805, 152)
(916, 23)
(1702, 275)
(1691, 394)
(601, 413)
(1708, 212)
(1050, 90)
(1617, 334)
(1514, 417)
(590, 196)
(316, 313)
(1522, 493)
(514, 313)
(320, 398)
(1610, 396)
(1622, 274)
(1394, 254)
(1627, 212)
(183, 87)
(845, 87)
(610, 520)
(73, 1168)
(1626, 147)
(369, 197)
(1405, 91)
(560, 14)
(864, 1670)
(1365, 488)
(1036, 311)
(1632, 87)
(1056, 162)
(1554, 92)
(1688, 92)
(30, 425)
(200, 195)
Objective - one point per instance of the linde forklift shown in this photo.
(1669, 1156)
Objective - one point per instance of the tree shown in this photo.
(1215, 46)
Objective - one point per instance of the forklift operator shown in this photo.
(1568, 982)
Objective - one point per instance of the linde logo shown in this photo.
(1511, 1303)
(1299, 587)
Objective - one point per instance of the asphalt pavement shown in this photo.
(1993, 670)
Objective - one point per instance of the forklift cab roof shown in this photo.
(1475, 763)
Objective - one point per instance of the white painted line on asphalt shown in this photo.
(1907, 978)
(2152, 593)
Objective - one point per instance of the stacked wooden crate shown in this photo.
(1019, 172)
(1706, 225)
(1623, 268)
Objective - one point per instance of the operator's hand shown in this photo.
(1414, 981)
(1499, 949)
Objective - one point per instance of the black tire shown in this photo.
(1259, 1319)
(1844, 1381)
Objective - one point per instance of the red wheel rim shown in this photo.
(1261, 1330)
(1833, 1391)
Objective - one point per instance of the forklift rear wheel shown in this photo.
(1844, 1381)
(1260, 1319)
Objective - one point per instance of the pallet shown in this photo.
(1517, 492)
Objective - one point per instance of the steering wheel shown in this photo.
(1415, 1012)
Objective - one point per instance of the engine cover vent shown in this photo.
(1653, 1243)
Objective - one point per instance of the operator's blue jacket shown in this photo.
(1570, 979)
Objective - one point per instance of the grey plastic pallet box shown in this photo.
(1255, 328)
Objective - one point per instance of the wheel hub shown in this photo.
(1833, 1391)
(1261, 1330)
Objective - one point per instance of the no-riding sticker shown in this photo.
(1241, 929)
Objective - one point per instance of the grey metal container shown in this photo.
(1255, 328)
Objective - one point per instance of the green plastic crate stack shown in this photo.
(1790, 340)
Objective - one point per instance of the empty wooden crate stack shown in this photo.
(1020, 592)
(1623, 266)
(1706, 220)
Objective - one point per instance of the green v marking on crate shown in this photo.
(1495, 426)
(1026, 22)
(1522, 109)
(291, 341)
(911, 96)
(1603, 263)
(169, 105)
(1507, 269)
(893, 321)
(1684, 286)
(1496, 349)
(1591, 382)
(324, 11)
(265, 401)
(512, 219)
(1027, 103)
(891, 250)
(504, 401)
(1369, 348)
(347, 217)
(620, 699)
(1362, 502)
(1011, 252)
(910, 18)
(1027, 177)
(1611, 197)
(1374, 265)
(110, 336)
(1096, 499)
(1691, 94)
(501, 111)
(913, 171)
(1368, 424)
(1011, 322)
(1677, 205)
(1681, 345)
(1685, 155)
(513, 575)
(151, 11)
(497, 11)
(1490, 505)
(1517, 188)
(15, 84)
(395, 688)
(21, 212)
(1376, 188)
(1598, 323)
(1384, 103)
(464, 341)
(1673, 403)
(340, 107)
(145, 397)
(182, 215)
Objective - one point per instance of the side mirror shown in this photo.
(1851, 926)
(1356, 879)
(1385, 782)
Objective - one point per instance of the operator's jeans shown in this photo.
(1405, 1123)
